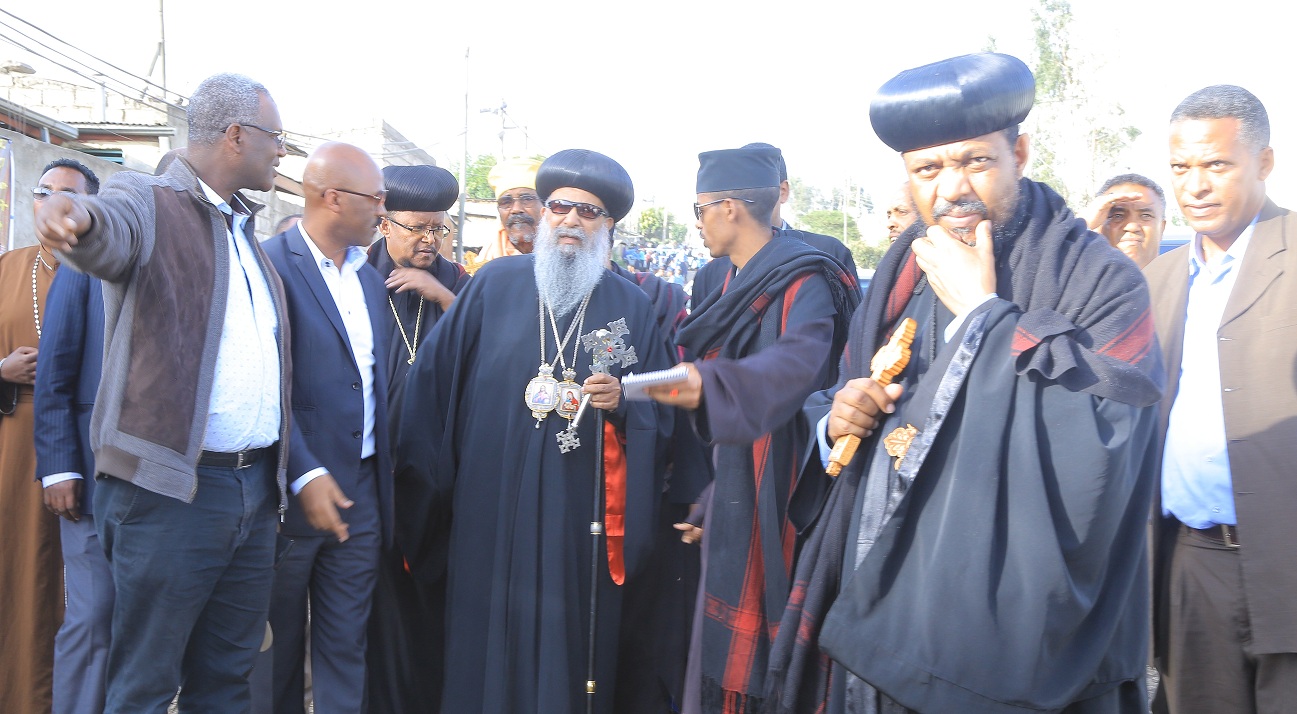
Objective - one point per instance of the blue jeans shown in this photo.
(193, 589)
(81, 645)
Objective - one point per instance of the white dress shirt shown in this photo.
(349, 297)
(244, 411)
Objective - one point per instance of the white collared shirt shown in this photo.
(244, 411)
(349, 297)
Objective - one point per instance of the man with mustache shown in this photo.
(900, 213)
(1130, 212)
(514, 183)
(984, 549)
(500, 486)
(421, 283)
(406, 624)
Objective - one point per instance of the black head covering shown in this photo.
(952, 100)
(737, 169)
(783, 168)
(589, 171)
(419, 188)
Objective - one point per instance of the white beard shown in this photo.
(565, 274)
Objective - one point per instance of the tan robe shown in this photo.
(31, 563)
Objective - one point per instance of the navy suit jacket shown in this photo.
(328, 403)
(71, 361)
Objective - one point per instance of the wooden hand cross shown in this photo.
(886, 364)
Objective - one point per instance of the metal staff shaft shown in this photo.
(596, 530)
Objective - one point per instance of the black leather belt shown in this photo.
(232, 460)
(1221, 535)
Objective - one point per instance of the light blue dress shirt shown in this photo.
(244, 411)
(1197, 487)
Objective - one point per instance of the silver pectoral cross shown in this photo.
(608, 348)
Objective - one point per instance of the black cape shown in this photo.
(768, 339)
(506, 516)
(448, 273)
(657, 607)
(711, 276)
(404, 654)
(1002, 567)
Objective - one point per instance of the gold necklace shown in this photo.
(411, 347)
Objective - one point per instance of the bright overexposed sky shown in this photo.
(653, 84)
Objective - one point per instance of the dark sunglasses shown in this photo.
(526, 199)
(588, 211)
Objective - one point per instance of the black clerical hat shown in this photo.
(783, 168)
(589, 171)
(419, 188)
(737, 169)
(952, 100)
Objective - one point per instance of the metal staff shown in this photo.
(607, 348)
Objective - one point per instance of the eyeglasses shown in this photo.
(588, 211)
(426, 231)
(279, 136)
(698, 207)
(379, 197)
(40, 193)
(526, 199)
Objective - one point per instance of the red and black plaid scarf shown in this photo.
(749, 539)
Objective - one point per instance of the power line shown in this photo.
(80, 72)
(87, 54)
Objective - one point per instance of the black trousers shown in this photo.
(1211, 668)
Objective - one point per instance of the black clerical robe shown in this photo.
(504, 513)
(658, 607)
(405, 307)
(404, 655)
(768, 339)
(712, 275)
(999, 566)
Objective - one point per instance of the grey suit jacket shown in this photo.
(1258, 366)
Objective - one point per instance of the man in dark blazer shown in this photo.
(335, 305)
(72, 352)
(1225, 307)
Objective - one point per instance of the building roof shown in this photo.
(22, 114)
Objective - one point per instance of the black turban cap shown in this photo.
(419, 188)
(952, 100)
(589, 171)
(737, 169)
(783, 168)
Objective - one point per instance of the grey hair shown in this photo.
(222, 100)
(1227, 101)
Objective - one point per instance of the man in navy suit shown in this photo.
(72, 349)
(340, 445)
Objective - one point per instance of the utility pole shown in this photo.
(463, 172)
(162, 44)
